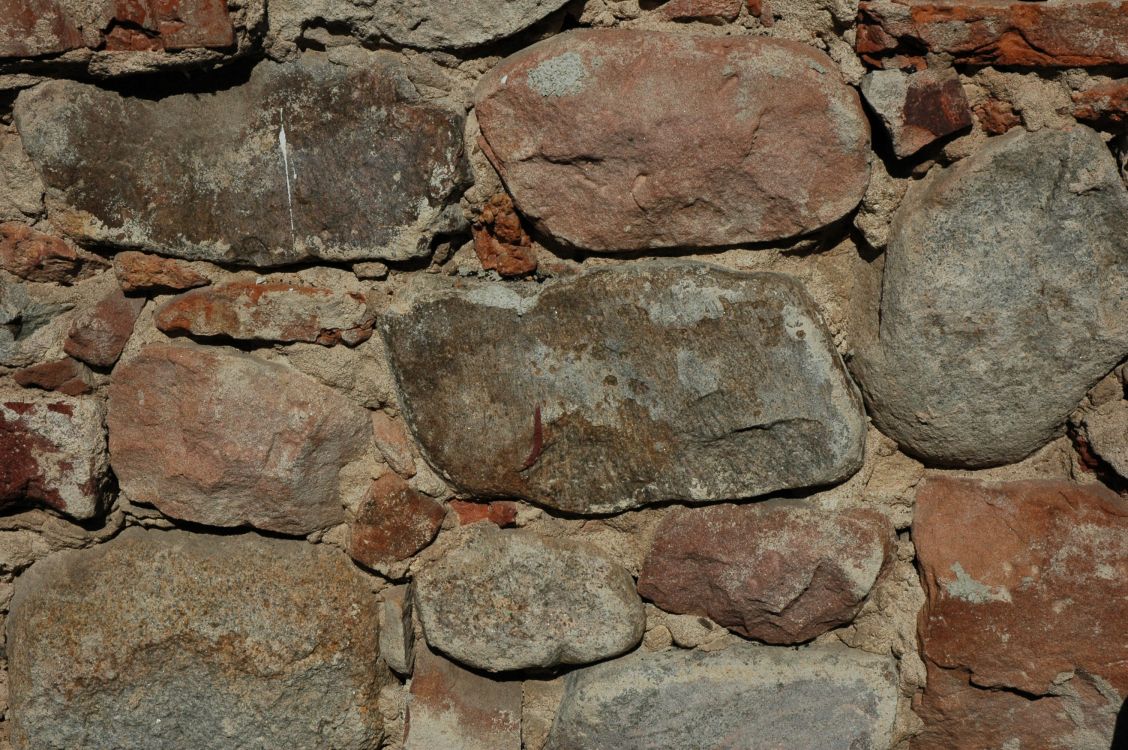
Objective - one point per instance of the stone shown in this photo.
(397, 632)
(98, 335)
(1001, 299)
(54, 452)
(625, 386)
(394, 443)
(918, 109)
(287, 170)
(744, 696)
(508, 599)
(177, 640)
(21, 189)
(500, 242)
(141, 272)
(454, 709)
(591, 135)
(996, 116)
(272, 311)
(33, 322)
(393, 522)
(501, 513)
(439, 24)
(225, 439)
(1024, 585)
(778, 572)
(1068, 34)
(67, 376)
(373, 269)
(1103, 105)
(700, 10)
(1106, 432)
(36, 28)
(38, 256)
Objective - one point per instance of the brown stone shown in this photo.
(697, 10)
(1025, 597)
(454, 709)
(98, 335)
(917, 109)
(394, 443)
(1105, 104)
(217, 437)
(996, 116)
(393, 522)
(66, 375)
(779, 572)
(269, 312)
(1071, 34)
(36, 256)
(500, 241)
(502, 513)
(141, 272)
(603, 149)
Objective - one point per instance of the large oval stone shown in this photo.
(194, 642)
(620, 140)
(1003, 299)
(626, 386)
(308, 159)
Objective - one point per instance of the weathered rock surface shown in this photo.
(66, 375)
(439, 24)
(778, 572)
(98, 335)
(504, 600)
(1025, 584)
(188, 641)
(1105, 104)
(33, 322)
(397, 632)
(745, 696)
(917, 109)
(627, 386)
(454, 709)
(287, 169)
(140, 272)
(500, 241)
(696, 10)
(38, 256)
(226, 439)
(1002, 299)
(393, 522)
(590, 133)
(501, 513)
(1106, 430)
(52, 451)
(269, 312)
(1069, 34)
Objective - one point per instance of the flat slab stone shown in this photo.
(1002, 299)
(508, 599)
(194, 642)
(287, 169)
(441, 24)
(222, 438)
(604, 149)
(743, 697)
(626, 386)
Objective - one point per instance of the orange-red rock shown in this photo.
(695, 10)
(141, 272)
(502, 513)
(1105, 104)
(393, 522)
(918, 109)
(1069, 33)
(37, 256)
(1025, 590)
(66, 375)
(98, 335)
(500, 241)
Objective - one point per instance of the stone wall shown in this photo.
(563, 374)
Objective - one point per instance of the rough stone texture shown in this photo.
(226, 439)
(1105, 104)
(397, 633)
(67, 376)
(743, 697)
(269, 312)
(53, 450)
(140, 272)
(453, 709)
(37, 256)
(178, 641)
(627, 386)
(33, 322)
(501, 513)
(508, 599)
(286, 169)
(1065, 33)
(1025, 584)
(592, 135)
(394, 443)
(1106, 431)
(98, 335)
(393, 522)
(696, 10)
(1002, 299)
(34, 28)
(778, 572)
(440, 24)
(918, 109)
(21, 189)
(500, 242)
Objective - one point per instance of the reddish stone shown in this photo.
(1074, 33)
(1105, 104)
(393, 523)
(35, 256)
(694, 10)
(269, 312)
(67, 376)
(1025, 596)
(500, 241)
(502, 513)
(762, 10)
(917, 109)
(141, 272)
(394, 443)
(451, 707)
(98, 335)
(779, 572)
(996, 117)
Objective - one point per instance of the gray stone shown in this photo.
(33, 322)
(626, 386)
(1003, 299)
(187, 641)
(282, 168)
(397, 633)
(1106, 430)
(508, 599)
(743, 697)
